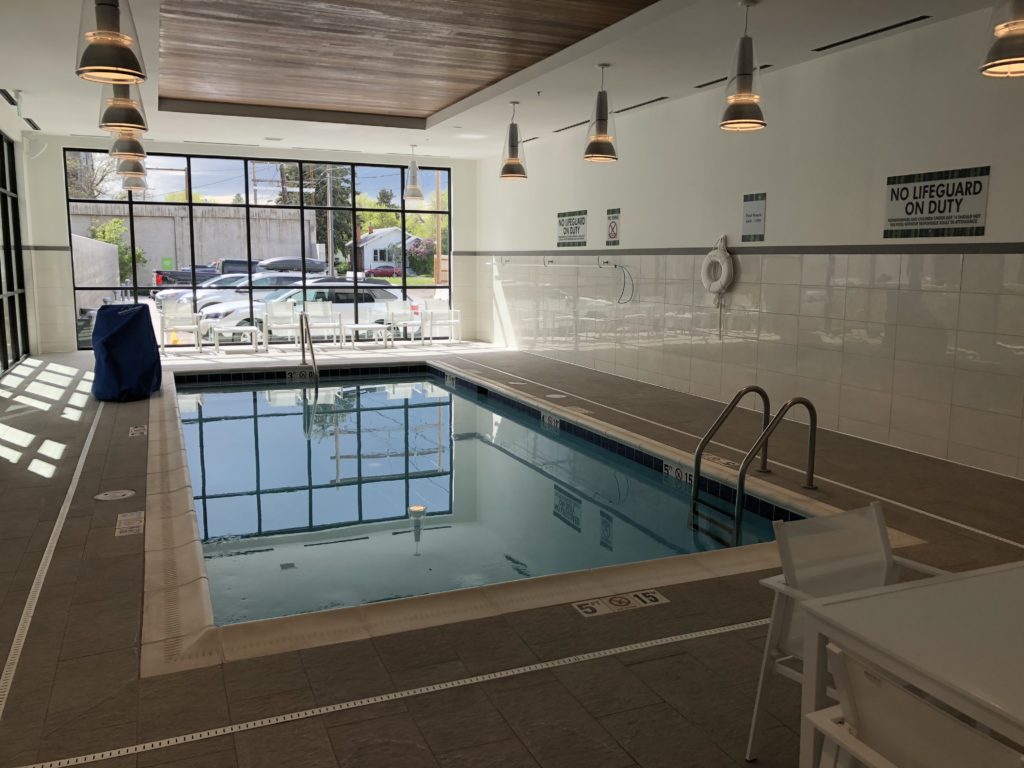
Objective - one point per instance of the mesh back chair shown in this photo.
(440, 315)
(321, 319)
(881, 724)
(822, 556)
(402, 318)
(175, 317)
(279, 319)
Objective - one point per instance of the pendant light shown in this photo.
(134, 184)
(131, 168)
(601, 132)
(127, 146)
(513, 161)
(743, 101)
(413, 193)
(121, 109)
(1006, 56)
(108, 46)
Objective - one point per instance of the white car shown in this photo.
(262, 283)
(340, 295)
(219, 282)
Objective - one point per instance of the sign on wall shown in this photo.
(754, 206)
(614, 226)
(572, 229)
(937, 204)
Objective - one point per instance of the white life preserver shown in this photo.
(716, 271)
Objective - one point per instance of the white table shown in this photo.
(230, 330)
(960, 638)
(381, 332)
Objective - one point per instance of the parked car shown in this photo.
(220, 282)
(293, 265)
(341, 296)
(262, 283)
(385, 270)
(164, 277)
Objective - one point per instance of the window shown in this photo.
(203, 216)
(13, 302)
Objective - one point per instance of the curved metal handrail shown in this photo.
(304, 336)
(762, 440)
(699, 453)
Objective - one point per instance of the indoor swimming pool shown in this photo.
(372, 490)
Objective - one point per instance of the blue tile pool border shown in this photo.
(710, 489)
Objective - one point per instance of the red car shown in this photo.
(384, 271)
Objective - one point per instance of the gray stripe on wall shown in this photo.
(902, 247)
(45, 248)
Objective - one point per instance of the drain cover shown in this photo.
(124, 493)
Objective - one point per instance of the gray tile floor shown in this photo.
(77, 689)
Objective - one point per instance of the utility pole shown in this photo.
(437, 228)
(330, 221)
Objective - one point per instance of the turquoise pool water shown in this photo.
(304, 504)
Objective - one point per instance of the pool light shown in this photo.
(742, 101)
(1006, 56)
(601, 132)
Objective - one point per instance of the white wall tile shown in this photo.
(878, 270)
(930, 446)
(1010, 315)
(822, 302)
(778, 358)
(780, 268)
(988, 392)
(779, 328)
(990, 352)
(814, 363)
(747, 267)
(929, 309)
(872, 305)
(870, 339)
(823, 269)
(865, 405)
(977, 312)
(934, 346)
(877, 433)
(780, 299)
(866, 372)
(930, 272)
(923, 381)
(920, 417)
(980, 429)
(993, 273)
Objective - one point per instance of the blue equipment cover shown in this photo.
(127, 356)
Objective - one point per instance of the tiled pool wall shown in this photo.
(918, 350)
(528, 415)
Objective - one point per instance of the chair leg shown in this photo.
(756, 720)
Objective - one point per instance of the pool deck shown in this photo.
(78, 690)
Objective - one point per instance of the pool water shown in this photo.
(303, 503)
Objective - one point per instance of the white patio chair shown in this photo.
(175, 317)
(401, 318)
(822, 556)
(881, 724)
(279, 319)
(321, 319)
(440, 315)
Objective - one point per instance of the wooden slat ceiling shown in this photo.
(403, 58)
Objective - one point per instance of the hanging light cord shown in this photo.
(746, 19)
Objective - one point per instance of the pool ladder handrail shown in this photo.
(304, 336)
(713, 429)
(762, 441)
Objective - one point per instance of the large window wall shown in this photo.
(13, 306)
(343, 221)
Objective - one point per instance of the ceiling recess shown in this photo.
(872, 33)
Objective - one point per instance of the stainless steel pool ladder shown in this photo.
(304, 336)
(762, 442)
(713, 429)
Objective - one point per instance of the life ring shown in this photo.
(716, 271)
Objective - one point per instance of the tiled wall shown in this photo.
(922, 351)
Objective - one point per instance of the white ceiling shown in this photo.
(662, 51)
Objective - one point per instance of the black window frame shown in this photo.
(13, 295)
(134, 291)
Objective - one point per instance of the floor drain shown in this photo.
(554, 397)
(518, 383)
(124, 493)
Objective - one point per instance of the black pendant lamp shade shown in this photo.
(513, 161)
(121, 109)
(742, 94)
(601, 131)
(1006, 56)
(131, 168)
(127, 146)
(108, 46)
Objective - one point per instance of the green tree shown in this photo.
(179, 197)
(112, 231)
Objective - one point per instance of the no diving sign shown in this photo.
(614, 226)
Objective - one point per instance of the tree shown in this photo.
(420, 252)
(112, 231)
(179, 197)
(92, 175)
(238, 199)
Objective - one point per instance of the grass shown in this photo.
(413, 280)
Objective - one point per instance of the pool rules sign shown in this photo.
(937, 204)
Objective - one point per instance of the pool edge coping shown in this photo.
(178, 629)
